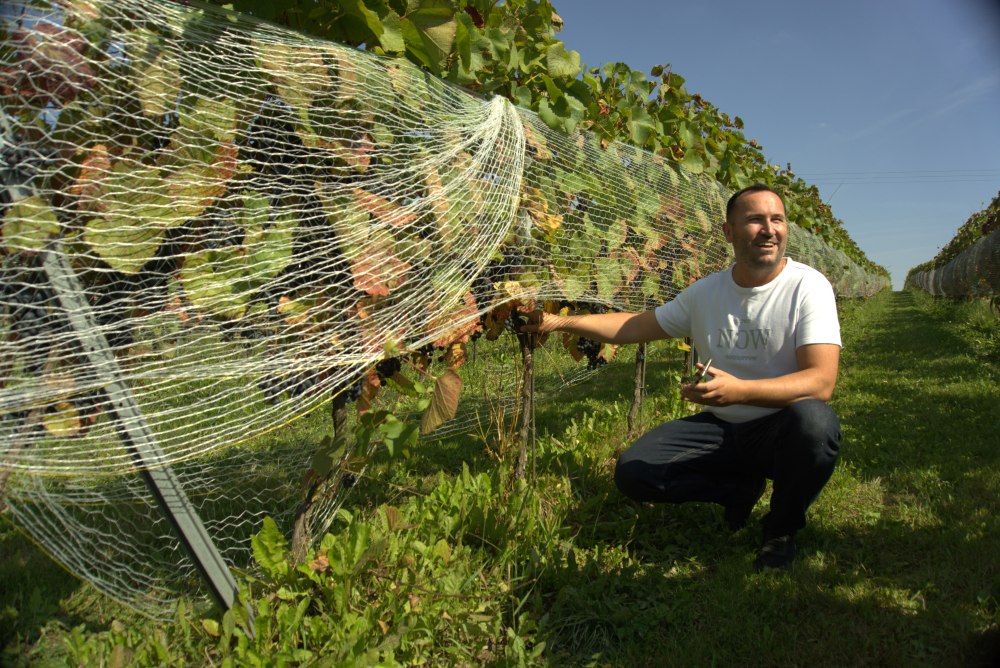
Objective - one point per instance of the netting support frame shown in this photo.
(138, 438)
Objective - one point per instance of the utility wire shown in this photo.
(857, 177)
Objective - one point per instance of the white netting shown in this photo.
(975, 272)
(254, 218)
(847, 277)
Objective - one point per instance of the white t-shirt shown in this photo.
(752, 333)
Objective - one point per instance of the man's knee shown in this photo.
(814, 425)
(632, 477)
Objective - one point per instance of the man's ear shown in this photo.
(727, 230)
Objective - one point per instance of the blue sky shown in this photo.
(891, 107)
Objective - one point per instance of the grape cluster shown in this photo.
(27, 301)
(272, 146)
(351, 388)
(591, 350)
(483, 321)
(497, 271)
(294, 384)
(514, 321)
(221, 232)
(20, 164)
(388, 368)
(353, 391)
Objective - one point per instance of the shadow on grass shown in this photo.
(30, 597)
(665, 585)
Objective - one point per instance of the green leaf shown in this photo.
(270, 549)
(211, 281)
(522, 95)
(298, 73)
(463, 40)
(158, 79)
(430, 34)
(608, 277)
(392, 33)
(560, 62)
(358, 9)
(268, 244)
(693, 162)
(209, 118)
(392, 427)
(211, 627)
(136, 211)
(547, 114)
(641, 125)
(29, 224)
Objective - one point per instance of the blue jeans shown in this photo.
(703, 458)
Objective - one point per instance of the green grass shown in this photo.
(440, 560)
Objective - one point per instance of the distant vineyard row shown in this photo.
(979, 225)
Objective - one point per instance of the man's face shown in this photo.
(757, 230)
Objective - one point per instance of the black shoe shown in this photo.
(738, 511)
(778, 552)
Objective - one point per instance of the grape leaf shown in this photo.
(383, 209)
(430, 33)
(210, 280)
(569, 343)
(268, 243)
(466, 313)
(29, 224)
(378, 270)
(608, 277)
(50, 64)
(63, 421)
(158, 78)
(87, 185)
(560, 62)
(444, 403)
(298, 73)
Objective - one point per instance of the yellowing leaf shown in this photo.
(87, 186)
(538, 208)
(294, 312)
(378, 271)
(444, 403)
(211, 627)
(569, 343)
(63, 421)
(29, 224)
(383, 209)
(466, 312)
(298, 72)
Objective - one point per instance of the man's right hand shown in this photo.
(607, 327)
(540, 322)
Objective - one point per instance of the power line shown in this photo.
(882, 181)
(902, 171)
(860, 177)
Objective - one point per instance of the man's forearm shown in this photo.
(785, 390)
(607, 327)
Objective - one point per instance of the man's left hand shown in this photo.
(718, 389)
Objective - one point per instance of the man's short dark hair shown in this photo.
(755, 188)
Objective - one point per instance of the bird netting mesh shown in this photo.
(975, 272)
(252, 221)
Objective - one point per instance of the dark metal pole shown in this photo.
(138, 437)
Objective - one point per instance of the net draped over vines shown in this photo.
(975, 272)
(254, 219)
